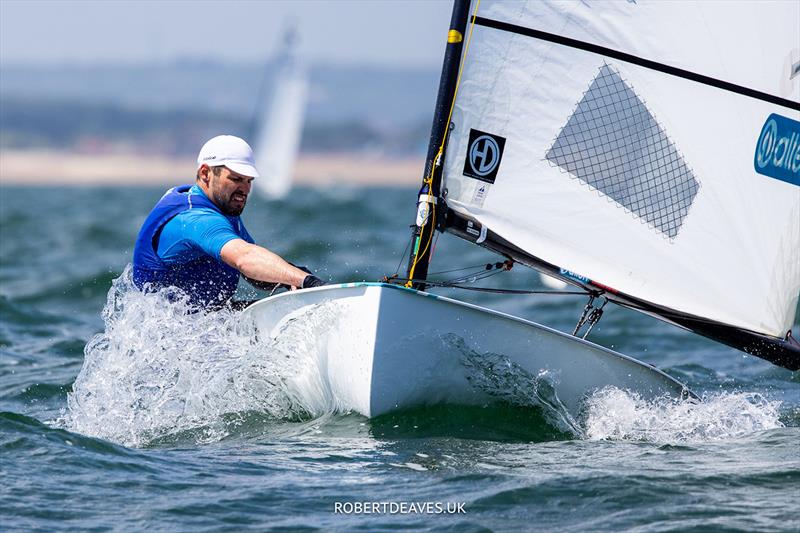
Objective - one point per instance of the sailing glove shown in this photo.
(303, 268)
(312, 281)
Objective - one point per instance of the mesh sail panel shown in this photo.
(613, 144)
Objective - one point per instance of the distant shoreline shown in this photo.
(50, 167)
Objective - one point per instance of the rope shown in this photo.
(433, 250)
(455, 285)
(402, 256)
(456, 269)
(428, 180)
(431, 213)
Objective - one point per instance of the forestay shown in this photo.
(645, 180)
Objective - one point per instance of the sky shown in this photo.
(408, 33)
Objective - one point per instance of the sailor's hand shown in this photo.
(312, 281)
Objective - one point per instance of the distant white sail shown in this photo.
(280, 125)
(652, 183)
(551, 282)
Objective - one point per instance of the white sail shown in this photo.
(642, 180)
(280, 124)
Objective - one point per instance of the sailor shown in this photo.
(194, 239)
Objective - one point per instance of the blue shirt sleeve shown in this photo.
(198, 231)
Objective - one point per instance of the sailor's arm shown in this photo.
(258, 263)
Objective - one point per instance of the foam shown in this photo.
(162, 368)
(614, 414)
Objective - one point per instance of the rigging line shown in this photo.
(456, 269)
(582, 320)
(402, 256)
(474, 276)
(449, 285)
(479, 270)
(595, 316)
(636, 60)
(458, 80)
(485, 272)
(512, 291)
(431, 213)
(433, 250)
(437, 158)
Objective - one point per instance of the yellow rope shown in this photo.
(428, 180)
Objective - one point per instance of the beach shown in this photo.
(51, 167)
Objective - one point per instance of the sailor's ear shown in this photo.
(204, 173)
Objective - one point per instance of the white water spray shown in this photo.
(161, 368)
(614, 414)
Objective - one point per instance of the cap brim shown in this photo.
(243, 168)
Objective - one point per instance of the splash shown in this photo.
(162, 368)
(164, 372)
(499, 377)
(614, 414)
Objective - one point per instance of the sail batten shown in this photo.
(597, 138)
(644, 62)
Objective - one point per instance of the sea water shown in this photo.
(120, 410)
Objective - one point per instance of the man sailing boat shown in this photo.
(194, 239)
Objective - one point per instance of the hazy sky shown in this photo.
(408, 32)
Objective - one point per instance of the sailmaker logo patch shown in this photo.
(778, 149)
(484, 153)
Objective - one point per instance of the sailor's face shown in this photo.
(229, 191)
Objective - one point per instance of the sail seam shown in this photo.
(636, 60)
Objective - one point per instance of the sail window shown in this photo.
(612, 143)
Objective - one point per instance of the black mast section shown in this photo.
(429, 204)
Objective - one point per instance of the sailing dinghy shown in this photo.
(647, 153)
(279, 125)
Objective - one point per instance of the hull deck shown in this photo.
(386, 348)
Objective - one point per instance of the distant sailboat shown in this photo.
(280, 121)
(551, 282)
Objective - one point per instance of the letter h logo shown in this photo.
(484, 153)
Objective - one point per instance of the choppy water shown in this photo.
(120, 412)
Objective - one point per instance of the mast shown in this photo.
(428, 202)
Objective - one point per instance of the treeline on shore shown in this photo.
(107, 127)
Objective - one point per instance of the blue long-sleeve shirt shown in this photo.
(198, 231)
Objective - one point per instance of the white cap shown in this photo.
(231, 152)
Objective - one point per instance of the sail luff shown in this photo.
(422, 232)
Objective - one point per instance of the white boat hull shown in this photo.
(394, 348)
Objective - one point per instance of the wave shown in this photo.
(20, 433)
